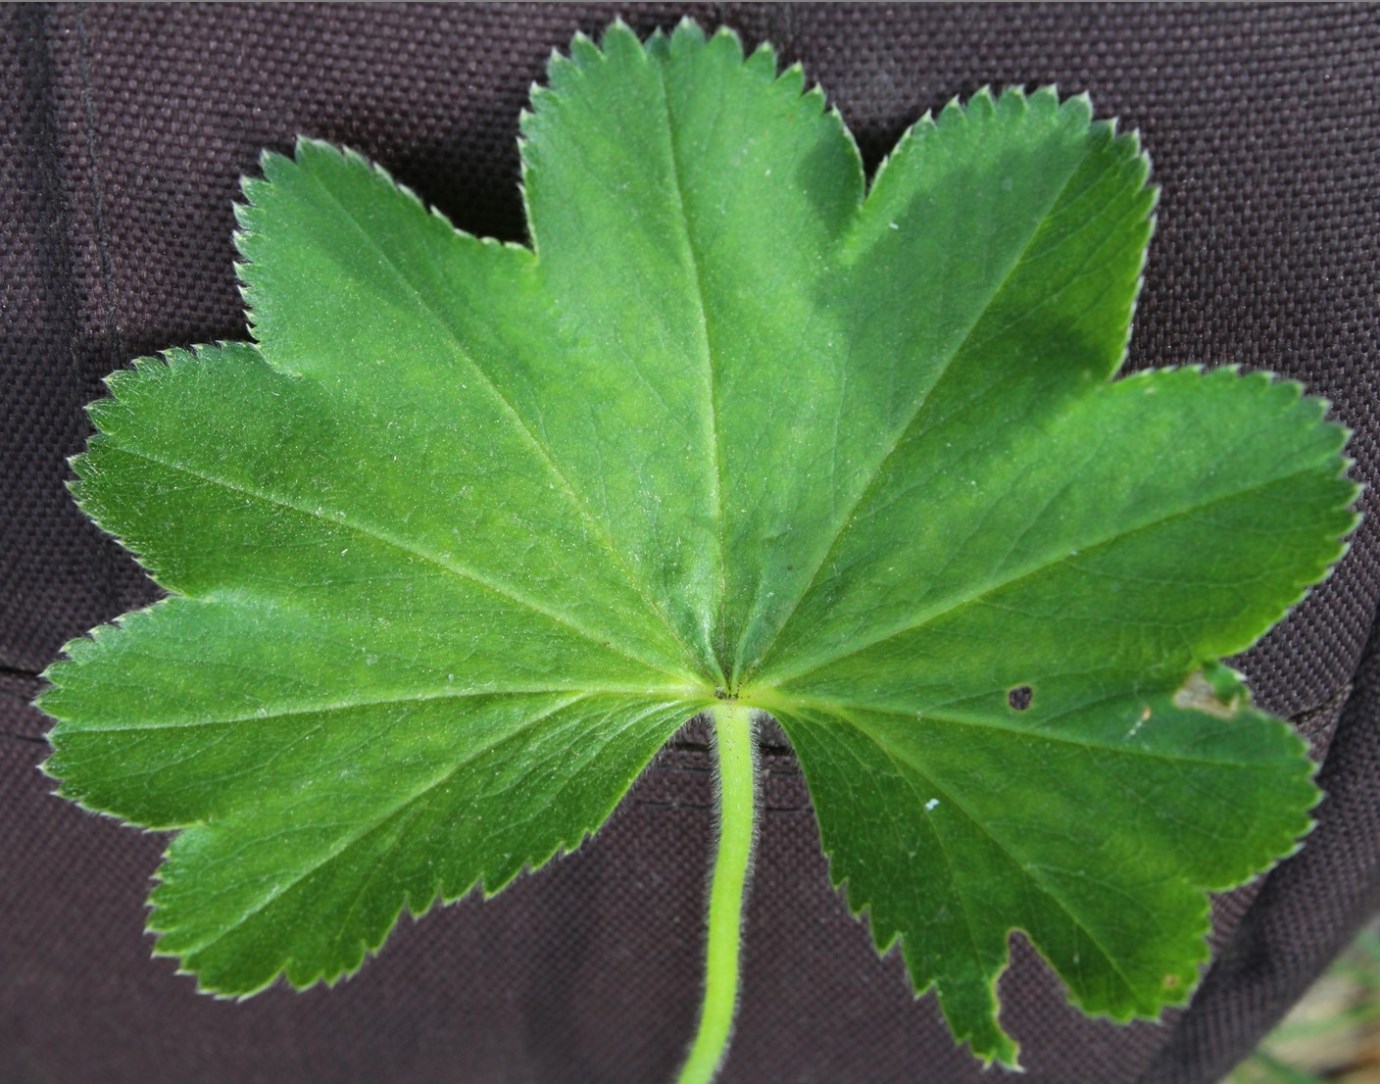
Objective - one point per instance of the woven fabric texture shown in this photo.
(123, 134)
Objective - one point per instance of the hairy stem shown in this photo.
(737, 793)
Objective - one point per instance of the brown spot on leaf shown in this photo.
(1198, 694)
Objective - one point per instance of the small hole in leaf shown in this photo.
(1020, 697)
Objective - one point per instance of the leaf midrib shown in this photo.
(945, 368)
(952, 606)
(706, 351)
(361, 832)
(443, 320)
(840, 708)
(346, 522)
(901, 763)
(950, 867)
(298, 710)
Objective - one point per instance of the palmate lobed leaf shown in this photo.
(474, 528)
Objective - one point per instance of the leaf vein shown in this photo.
(706, 349)
(402, 546)
(356, 833)
(954, 606)
(945, 368)
(543, 453)
(297, 710)
(1003, 846)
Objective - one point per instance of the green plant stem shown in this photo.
(737, 793)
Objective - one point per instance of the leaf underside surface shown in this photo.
(471, 529)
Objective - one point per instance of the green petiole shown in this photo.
(737, 828)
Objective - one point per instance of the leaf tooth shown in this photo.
(268, 155)
(655, 41)
(273, 164)
(893, 940)
(764, 57)
(242, 286)
(954, 114)
(1079, 105)
(583, 51)
(247, 211)
(1014, 105)
(618, 36)
(546, 101)
(690, 27)
(792, 80)
(924, 123)
(815, 96)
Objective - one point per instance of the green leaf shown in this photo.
(472, 529)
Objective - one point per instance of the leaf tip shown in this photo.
(1080, 103)
(689, 30)
(620, 42)
(583, 49)
(765, 56)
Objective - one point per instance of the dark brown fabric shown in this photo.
(123, 132)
